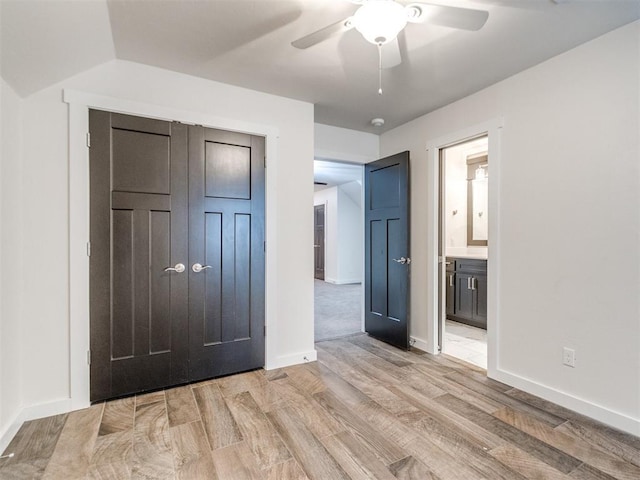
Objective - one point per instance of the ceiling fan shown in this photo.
(380, 22)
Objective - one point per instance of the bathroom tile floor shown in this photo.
(466, 343)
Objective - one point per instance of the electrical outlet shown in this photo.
(569, 357)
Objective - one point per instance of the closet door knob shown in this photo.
(402, 260)
(179, 268)
(198, 268)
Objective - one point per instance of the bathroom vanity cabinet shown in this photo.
(466, 285)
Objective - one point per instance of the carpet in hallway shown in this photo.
(337, 310)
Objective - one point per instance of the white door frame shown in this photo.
(493, 129)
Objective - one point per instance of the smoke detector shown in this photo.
(377, 122)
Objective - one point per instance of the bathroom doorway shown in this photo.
(463, 225)
(339, 248)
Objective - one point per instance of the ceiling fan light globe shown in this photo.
(380, 21)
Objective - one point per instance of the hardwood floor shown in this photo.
(365, 410)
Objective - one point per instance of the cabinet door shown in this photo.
(464, 296)
(451, 293)
(480, 299)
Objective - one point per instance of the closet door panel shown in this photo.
(226, 202)
(138, 229)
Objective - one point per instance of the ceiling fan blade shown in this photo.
(455, 17)
(323, 34)
(391, 56)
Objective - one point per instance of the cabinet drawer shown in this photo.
(471, 265)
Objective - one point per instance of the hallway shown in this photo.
(337, 310)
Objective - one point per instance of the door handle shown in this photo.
(316, 246)
(451, 280)
(179, 268)
(402, 260)
(468, 283)
(196, 267)
(473, 283)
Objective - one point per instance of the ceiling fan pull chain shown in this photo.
(379, 68)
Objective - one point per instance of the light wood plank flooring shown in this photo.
(364, 411)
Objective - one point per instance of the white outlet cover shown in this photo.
(569, 357)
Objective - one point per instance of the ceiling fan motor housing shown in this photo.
(380, 21)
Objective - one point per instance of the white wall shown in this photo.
(345, 145)
(43, 363)
(335, 143)
(2, 326)
(350, 235)
(569, 237)
(11, 276)
(455, 159)
(455, 198)
(343, 233)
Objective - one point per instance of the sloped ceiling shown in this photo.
(248, 43)
(45, 42)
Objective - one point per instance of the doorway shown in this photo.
(177, 261)
(338, 249)
(463, 225)
(318, 241)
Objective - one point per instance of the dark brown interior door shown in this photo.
(177, 259)
(138, 229)
(387, 261)
(318, 241)
(226, 202)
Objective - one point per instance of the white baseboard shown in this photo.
(342, 281)
(7, 434)
(31, 413)
(293, 359)
(348, 281)
(420, 343)
(597, 412)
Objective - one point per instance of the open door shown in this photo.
(318, 241)
(387, 260)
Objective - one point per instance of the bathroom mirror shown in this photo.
(477, 199)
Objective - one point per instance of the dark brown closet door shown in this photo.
(138, 229)
(226, 224)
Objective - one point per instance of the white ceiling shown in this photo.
(248, 43)
(335, 173)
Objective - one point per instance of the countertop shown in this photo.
(475, 253)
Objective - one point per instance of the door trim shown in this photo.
(493, 129)
(79, 104)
